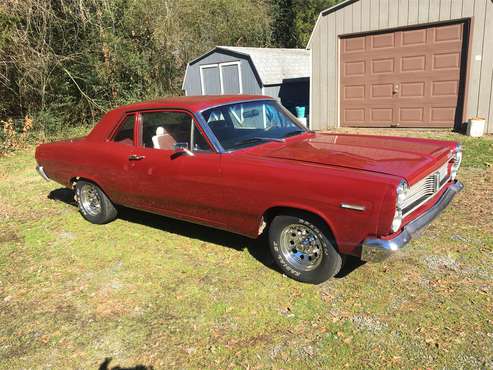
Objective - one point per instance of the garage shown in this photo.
(402, 63)
(407, 78)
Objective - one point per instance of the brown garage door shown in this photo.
(408, 78)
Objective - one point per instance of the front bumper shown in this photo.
(377, 250)
(42, 173)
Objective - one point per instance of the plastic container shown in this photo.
(475, 127)
(300, 112)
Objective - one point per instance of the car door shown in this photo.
(183, 183)
(115, 165)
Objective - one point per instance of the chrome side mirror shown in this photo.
(183, 148)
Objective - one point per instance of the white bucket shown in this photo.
(475, 127)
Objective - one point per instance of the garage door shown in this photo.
(408, 78)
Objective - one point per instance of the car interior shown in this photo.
(162, 130)
(234, 124)
(125, 134)
(163, 140)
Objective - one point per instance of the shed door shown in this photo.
(231, 78)
(408, 78)
(221, 78)
(210, 80)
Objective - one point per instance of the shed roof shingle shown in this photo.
(274, 65)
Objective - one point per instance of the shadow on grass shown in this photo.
(258, 248)
(351, 263)
(64, 195)
(106, 363)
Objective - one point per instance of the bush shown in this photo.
(67, 62)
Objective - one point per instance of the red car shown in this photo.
(245, 164)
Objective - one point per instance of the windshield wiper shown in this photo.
(257, 139)
(292, 133)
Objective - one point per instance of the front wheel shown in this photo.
(301, 246)
(94, 205)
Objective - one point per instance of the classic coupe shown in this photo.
(245, 164)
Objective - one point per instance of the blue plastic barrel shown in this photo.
(300, 112)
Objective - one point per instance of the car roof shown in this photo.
(191, 103)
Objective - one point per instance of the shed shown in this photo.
(402, 63)
(280, 73)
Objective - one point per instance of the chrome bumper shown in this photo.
(377, 250)
(42, 173)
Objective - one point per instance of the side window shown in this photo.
(162, 130)
(125, 133)
(199, 142)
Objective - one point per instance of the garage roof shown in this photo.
(324, 12)
(272, 65)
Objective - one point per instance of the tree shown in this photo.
(67, 62)
(293, 21)
(283, 24)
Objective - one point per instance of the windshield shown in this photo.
(241, 125)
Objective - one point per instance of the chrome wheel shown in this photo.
(90, 200)
(301, 247)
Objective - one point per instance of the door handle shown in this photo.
(396, 89)
(135, 157)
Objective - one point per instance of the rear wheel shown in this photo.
(94, 205)
(302, 247)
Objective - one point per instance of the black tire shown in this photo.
(104, 213)
(324, 265)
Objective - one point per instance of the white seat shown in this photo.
(163, 140)
(155, 139)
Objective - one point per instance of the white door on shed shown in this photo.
(221, 79)
(210, 79)
(230, 78)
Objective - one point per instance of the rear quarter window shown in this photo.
(125, 132)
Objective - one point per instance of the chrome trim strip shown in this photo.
(354, 207)
(42, 173)
(377, 250)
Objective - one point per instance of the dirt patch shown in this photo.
(438, 263)
(66, 235)
(10, 236)
(368, 323)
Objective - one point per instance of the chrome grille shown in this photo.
(424, 189)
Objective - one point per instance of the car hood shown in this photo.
(408, 158)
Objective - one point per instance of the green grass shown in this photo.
(157, 292)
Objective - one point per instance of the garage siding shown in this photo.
(375, 15)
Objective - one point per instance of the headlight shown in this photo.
(402, 190)
(397, 221)
(401, 195)
(457, 161)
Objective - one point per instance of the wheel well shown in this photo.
(75, 179)
(269, 215)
